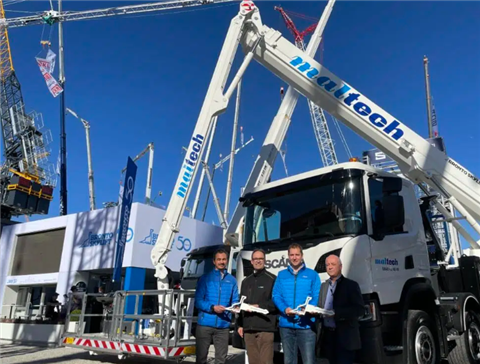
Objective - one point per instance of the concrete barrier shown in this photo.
(31, 334)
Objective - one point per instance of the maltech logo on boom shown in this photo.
(189, 165)
(351, 99)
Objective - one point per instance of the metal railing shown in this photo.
(23, 312)
(170, 327)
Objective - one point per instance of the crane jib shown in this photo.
(340, 92)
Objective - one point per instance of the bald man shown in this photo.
(339, 335)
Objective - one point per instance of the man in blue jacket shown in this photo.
(215, 291)
(292, 287)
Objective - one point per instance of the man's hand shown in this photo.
(219, 309)
(289, 312)
(240, 331)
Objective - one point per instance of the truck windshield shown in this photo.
(331, 209)
(195, 267)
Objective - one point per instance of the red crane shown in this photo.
(299, 35)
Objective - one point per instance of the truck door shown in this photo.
(396, 251)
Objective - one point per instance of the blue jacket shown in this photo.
(291, 290)
(212, 290)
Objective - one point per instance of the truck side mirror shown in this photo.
(182, 263)
(394, 212)
(232, 239)
(391, 185)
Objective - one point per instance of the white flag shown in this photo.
(51, 58)
(45, 66)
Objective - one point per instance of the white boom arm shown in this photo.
(215, 103)
(262, 169)
(91, 189)
(417, 159)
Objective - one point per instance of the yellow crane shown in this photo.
(22, 191)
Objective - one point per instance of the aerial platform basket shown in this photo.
(163, 335)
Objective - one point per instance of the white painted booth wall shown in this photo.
(90, 239)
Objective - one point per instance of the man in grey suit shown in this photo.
(338, 336)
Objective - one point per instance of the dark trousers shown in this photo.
(259, 347)
(333, 349)
(298, 339)
(205, 336)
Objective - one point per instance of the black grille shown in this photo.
(247, 267)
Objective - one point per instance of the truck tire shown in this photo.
(467, 350)
(420, 343)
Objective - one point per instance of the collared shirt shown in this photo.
(330, 321)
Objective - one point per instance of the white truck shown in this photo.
(372, 220)
(416, 302)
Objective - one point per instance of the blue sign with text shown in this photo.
(127, 199)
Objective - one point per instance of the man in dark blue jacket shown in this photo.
(215, 291)
(292, 287)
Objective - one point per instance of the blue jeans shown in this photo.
(294, 339)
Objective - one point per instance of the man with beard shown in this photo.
(215, 291)
(258, 329)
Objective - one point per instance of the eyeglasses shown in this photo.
(258, 259)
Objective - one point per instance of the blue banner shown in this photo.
(127, 199)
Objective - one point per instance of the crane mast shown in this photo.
(12, 91)
(319, 121)
(26, 179)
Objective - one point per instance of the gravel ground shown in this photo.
(20, 354)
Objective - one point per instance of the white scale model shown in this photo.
(311, 309)
(246, 307)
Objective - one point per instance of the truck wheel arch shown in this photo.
(417, 294)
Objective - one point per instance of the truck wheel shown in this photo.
(467, 350)
(420, 343)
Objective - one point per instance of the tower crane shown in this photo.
(26, 179)
(319, 121)
(52, 17)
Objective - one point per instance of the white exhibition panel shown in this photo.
(147, 222)
(90, 240)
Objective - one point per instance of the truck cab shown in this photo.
(368, 217)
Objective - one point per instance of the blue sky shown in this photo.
(142, 79)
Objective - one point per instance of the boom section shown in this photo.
(215, 103)
(417, 159)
